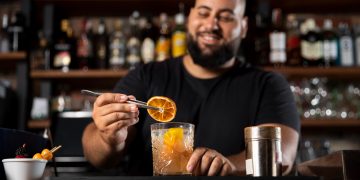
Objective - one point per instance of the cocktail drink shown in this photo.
(172, 146)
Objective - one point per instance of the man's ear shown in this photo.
(244, 27)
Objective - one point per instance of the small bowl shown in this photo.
(24, 168)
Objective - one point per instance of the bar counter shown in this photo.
(186, 178)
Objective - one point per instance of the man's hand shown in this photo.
(208, 162)
(112, 117)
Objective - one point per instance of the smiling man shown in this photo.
(212, 89)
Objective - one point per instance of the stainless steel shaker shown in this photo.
(263, 155)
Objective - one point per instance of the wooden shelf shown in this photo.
(114, 7)
(39, 124)
(331, 72)
(80, 74)
(318, 6)
(13, 56)
(331, 123)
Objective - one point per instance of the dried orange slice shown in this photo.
(168, 108)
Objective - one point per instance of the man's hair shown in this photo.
(241, 1)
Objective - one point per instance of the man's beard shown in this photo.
(213, 60)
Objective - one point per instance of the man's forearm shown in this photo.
(98, 152)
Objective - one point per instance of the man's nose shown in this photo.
(212, 23)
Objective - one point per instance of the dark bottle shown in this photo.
(357, 43)
(40, 56)
(84, 46)
(293, 41)
(101, 46)
(63, 47)
(4, 37)
(330, 44)
(16, 32)
(117, 46)
(149, 34)
(311, 44)
(261, 39)
(133, 44)
(277, 37)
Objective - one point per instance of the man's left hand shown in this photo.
(208, 162)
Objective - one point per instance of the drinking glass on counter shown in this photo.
(172, 146)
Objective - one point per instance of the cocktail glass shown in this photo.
(172, 146)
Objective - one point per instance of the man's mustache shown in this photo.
(214, 33)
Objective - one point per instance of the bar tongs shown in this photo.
(140, 104)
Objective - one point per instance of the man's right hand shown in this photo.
(112, 116)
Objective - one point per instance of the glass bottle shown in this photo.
(40, 57)
(16, 32)
(330, 44)
(4, 37)
(346, 45)
(147, 37)
(293, 41)
(357, 43)
(311, 44)
(63, 47)
(178, 39)
(117, 46)
(277, 37)
(101, 46)
(133, 44)
(163, 43)
(84, 45)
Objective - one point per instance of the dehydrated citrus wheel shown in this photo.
(168, 108)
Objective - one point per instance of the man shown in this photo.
(211, 89)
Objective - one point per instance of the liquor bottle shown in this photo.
(4, 37)
(178, 39)
(330, 44)
(357, 43)
(293, 41)
(147, 36)
(277, 38)
(311, 44)
(40, 57)
(101, 46)
(346, 45)
(84, 45)
(16, 32)
(117, 46)
(261, 40)
(63, 47)
(133, 44)
(163, 43)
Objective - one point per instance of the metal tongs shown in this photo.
(140, 104)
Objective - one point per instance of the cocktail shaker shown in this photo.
(263, 151)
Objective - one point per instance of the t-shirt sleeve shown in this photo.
(277, 104)
(132, 84)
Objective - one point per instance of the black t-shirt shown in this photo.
(220, 107)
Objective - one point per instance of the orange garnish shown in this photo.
(168, 108)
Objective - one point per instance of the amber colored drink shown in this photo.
(172, 146)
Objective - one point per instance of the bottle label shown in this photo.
(330, 50)
(148, 50)
(277, 41)
(249, 167)
(346, 50)
(163, 49)
(311, 50)
(277, 56)
(62, 59)
(178, 43)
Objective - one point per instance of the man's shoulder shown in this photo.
(258, 73)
